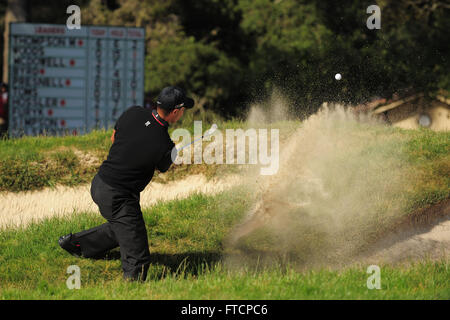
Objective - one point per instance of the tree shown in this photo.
(230, 52)
(289, 44)
(173, 57)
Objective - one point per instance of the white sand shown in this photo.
(431, 244)
(23, 207)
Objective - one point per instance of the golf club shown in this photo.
(209, 132)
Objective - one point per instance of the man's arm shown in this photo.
(164, 164)
(112, 137)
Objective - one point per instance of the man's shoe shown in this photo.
(66, 243)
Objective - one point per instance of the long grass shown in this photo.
(188, 262)
(187, 236)
(33, 163)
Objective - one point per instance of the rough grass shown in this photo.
(429, 157)
(187, 237)
(31, 163)
(186, 243)
(374, 177)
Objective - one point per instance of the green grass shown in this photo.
(186, 243)
(188, 230)
(186, 237)
(420, 281)
(32, 163)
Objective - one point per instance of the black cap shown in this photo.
(173, 98)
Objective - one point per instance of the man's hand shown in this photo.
(112, 137)
(164, 164)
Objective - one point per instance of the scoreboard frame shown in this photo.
(114, 44)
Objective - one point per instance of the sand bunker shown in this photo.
(341, 181)
(23, 207)
(432, 244)
(430, 240)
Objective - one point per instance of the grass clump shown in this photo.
(186, 244)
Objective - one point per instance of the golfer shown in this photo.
(141, 144)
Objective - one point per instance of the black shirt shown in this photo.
(141, 144)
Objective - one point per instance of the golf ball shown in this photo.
(338, 76)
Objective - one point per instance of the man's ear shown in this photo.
(175, 112)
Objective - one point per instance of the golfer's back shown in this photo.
(141, 144)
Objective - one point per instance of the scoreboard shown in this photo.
(65, 81)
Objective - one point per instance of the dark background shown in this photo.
(228, 53)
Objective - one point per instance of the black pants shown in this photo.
(125, 228)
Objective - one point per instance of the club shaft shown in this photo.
(190, 143)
